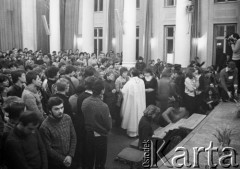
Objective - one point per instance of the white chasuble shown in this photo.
(134, 103)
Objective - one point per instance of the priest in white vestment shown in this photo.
(134, 103)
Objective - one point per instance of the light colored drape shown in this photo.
(195, 28)
(10, 24)
(147, 31)
(69, 23)
(42, 37)
(111, 25)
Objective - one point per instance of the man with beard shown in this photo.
(59, 136)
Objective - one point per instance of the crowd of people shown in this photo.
(58, 109)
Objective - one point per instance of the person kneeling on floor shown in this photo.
(145, 129)
(229, 82)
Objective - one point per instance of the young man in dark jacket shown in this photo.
(59, 136)
(79, 122)
(140, 65)
(98, 124)
(24, 146)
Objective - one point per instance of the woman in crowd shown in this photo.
(119, 83)
(145, 129)
(190, 100)
(150, 87)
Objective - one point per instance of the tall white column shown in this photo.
(54, 18)
(88, 26)
(183, 34)
(129, 35)
(29, 22)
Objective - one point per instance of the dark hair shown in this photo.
(16, 74)
(80, 89)
(122, 70)
(61, 64)
(30, 76)
(14, 106)
(104, 60)
(13, 65)
(89, 82)
(28, 117)
(140, 58)
(89, 71)
(3, 78)
(51, 72)
(235, 35)
(70, 69)
(98, 86)
(134, 72)
(54, 101)
(28, 67)
(166, 72)
(200, 71)
(148, 70)
(232, 65)
(61, 84)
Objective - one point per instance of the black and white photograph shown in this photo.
(119, 84)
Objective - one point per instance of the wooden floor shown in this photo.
(223, 116)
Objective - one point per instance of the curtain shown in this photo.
(10, 24)
(71, 24)
(195, 28)
(111, 25)
(69, 18)
(62, 22)
(42, 37)
(119, 25)
(147, 31)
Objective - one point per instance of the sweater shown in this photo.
(59, 137)
(97, 116)
(25, 151)
(32, 100)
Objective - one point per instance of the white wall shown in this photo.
(161, 17)
(211, 13)
(214, 13)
